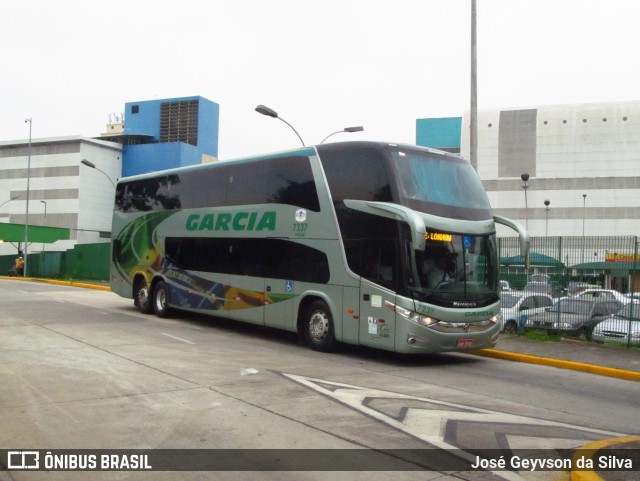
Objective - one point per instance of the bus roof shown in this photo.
(303, 151)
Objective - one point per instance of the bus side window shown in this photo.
(378, 261)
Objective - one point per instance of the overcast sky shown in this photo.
(322, 65)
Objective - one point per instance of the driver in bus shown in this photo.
(442, 270)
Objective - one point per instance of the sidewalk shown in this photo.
(612, 361)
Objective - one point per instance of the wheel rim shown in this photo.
(319, 326)
(143, 296)
(161, 299)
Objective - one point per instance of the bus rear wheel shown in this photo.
(160, 300)
(141, 297)
(317, 329)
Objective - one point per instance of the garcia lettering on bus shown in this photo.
(239, 221)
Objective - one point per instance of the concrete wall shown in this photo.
(75, 196)
(568, 150)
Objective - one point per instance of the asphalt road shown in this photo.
(82, 369)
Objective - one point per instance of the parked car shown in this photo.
(539, 278)
(623, 327)
(513, 305)
(573, 316)
(633, 296)
(504, 286)
(602, 295)
(538, 287)
(574, 287)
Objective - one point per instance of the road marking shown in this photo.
(177, 338)
(452, 426)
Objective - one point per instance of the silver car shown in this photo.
(514, 305)
(602, 295)
(623, 327)
(573, 316)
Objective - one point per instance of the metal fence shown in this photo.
(84, 261)
(566, 262)
(607, 262)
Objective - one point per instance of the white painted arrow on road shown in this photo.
(452, 426)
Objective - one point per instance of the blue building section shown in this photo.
(441, 133)
(167, 133)
(143, 158)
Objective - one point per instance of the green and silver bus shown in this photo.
(337, 242)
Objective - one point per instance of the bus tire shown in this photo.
(161, 300)
(142, 297)
(317, 327)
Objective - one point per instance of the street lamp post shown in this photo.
(584, 209)
(473, 115)
(525, 186)
(584, 216)
(45, 218)
(26, 220)
(272, 113)
(93, 166)
(546, 209)
(346, 129)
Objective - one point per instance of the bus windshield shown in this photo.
(446, 186)
(454, 266)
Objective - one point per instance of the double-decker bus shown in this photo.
(338, 242)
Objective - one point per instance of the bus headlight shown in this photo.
(412, 315)
(497, 319)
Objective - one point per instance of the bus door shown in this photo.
(377, 285)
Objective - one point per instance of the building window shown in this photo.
(135, 109)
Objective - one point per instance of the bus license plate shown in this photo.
(464, 342)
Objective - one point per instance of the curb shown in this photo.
(62, 283)
(571, 365)
(592, 449)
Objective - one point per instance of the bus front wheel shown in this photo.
(318, 328)
(141, 297)
(160, 300)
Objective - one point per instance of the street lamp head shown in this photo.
(264, 110)
(27, 120)
(88, 163)
(584, 196)
(524, 177)
(359, 128)
(547, 202)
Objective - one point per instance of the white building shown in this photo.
(584, 159)
(62, 191)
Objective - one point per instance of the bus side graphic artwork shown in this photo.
(141, 251)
